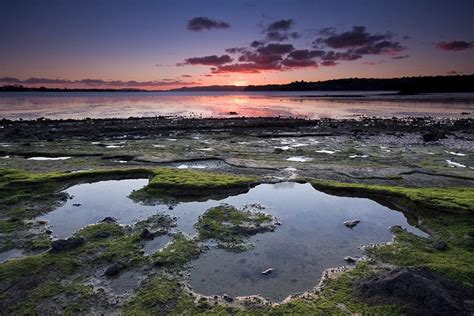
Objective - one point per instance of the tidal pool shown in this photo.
(311, 238)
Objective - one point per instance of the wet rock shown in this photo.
(417, 287)
(268, 271)
(48, 232)
(433, 136)
(113, 269)
(66, 244)
(227, 298)
(352, 223)
(76, 204)
(146, 234)
(349, 259)
(440, 245)
(109, 219)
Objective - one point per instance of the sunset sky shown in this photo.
(174, 43)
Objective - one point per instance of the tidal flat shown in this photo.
(177, 215)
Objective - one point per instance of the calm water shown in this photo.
(312, 236)
(31, 105)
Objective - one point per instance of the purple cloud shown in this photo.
(202, 23)
(455, 45)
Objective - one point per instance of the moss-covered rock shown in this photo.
(230, 226)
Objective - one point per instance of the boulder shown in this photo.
(440, 245)
(66, 244)
(146, 234)
(418, 288)
(113, 269)
(433, 136)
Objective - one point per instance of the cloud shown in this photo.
(186, 76)
(400, 57)
(358, 42)
(276, 36)
(96, 83)
(280, 25)
(212, 60)
(454, 72)
(358, 36)
(251, 68)
(201, 23)
(329, 63)
(292, 63)
(275, 49)
(455, 45)
(257, 44)
(302, 54)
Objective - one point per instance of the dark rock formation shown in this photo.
(422, 291)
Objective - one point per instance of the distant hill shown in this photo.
(404, 85)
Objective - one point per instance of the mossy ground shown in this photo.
(446, 213)
(230, 226)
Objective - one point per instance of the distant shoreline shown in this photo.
(404, 86)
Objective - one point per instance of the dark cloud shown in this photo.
(45, 81)
(275, 49)
(256, 44)
(10, 80)
(292, 63)
(235, 50)
(382, 47)
(212, 60)
(400, 57)
(202, 23)
(455, 45)
(245, 68)
(357, 42)
(358, 36)
(302, 54)
(329, 63)
(281, 25)
(186, 76)
(276, 36)
(333, 56)
(97, 82)
(454, 72)
(260, 58)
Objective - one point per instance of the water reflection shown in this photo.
(30, 105)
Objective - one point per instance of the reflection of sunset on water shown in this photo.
(82, 105)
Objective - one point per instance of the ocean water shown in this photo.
(339, 104)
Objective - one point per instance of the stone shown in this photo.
(113, 269)
(66, 244)
(440, 245)
(146, 234)
(76, 204)
(352, 223)
(268, 271)
(109, 219)
(349, 259)
(418, 288)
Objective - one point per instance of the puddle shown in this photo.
(98, 200)
(324, 151)
(10, 254)
(48, 158)
(199, 164)
(299, 159)
(456, 154)
(312, 236)
(155, 244)
(455, 164)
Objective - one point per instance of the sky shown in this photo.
(166, 44)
